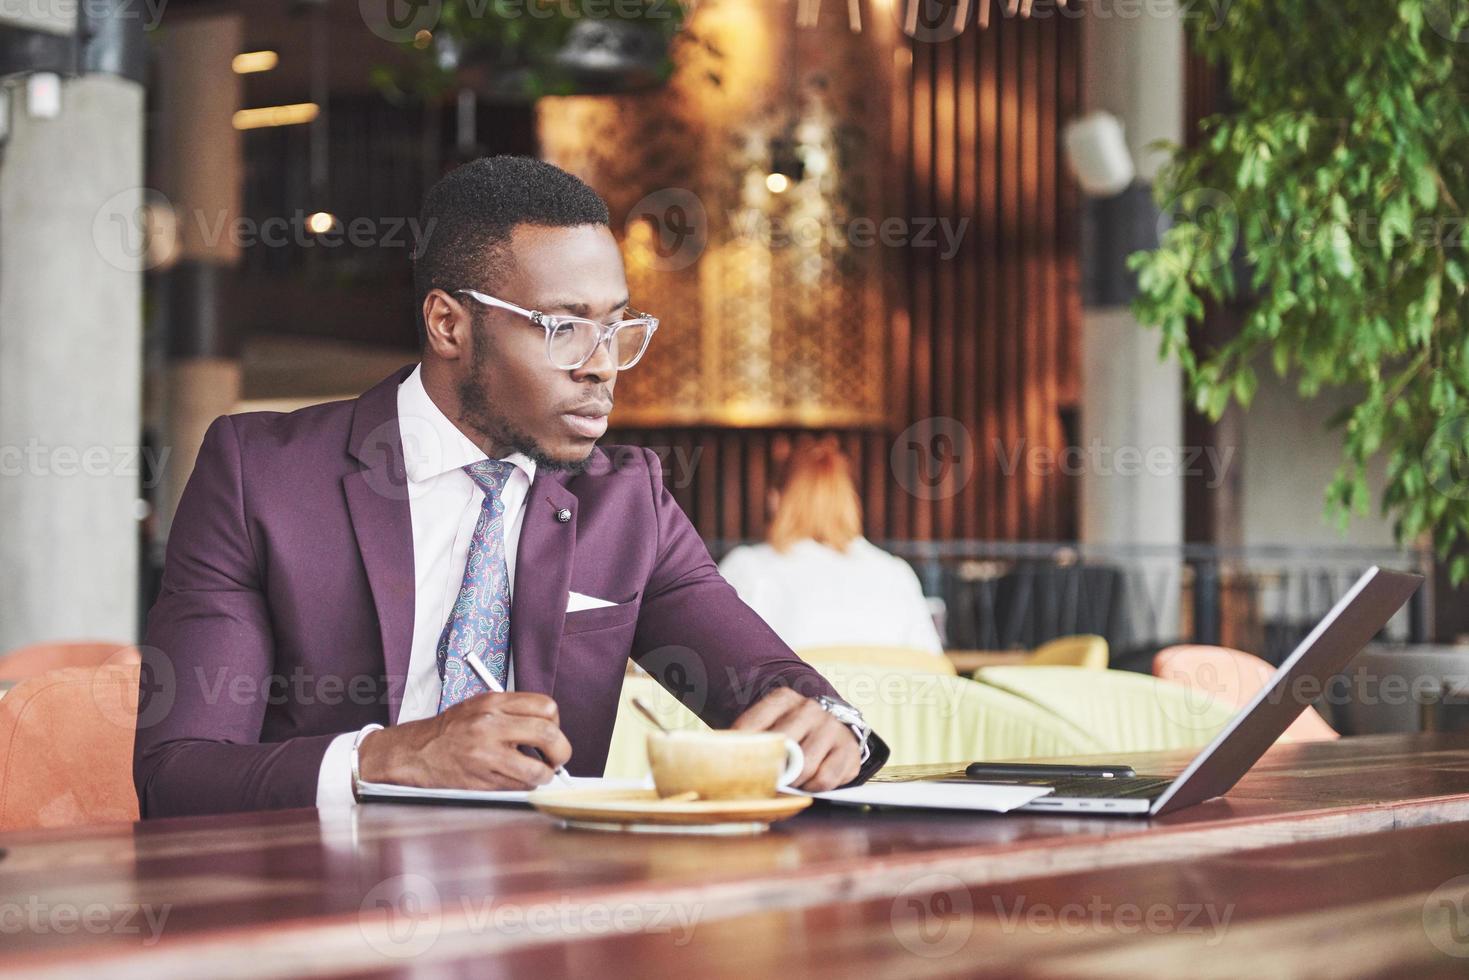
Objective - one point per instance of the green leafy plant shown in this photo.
(511, 49)
(1328, 205)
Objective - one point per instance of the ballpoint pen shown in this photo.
(483, 673)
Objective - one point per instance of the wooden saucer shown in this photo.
(641, 810)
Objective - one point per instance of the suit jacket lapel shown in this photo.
(377, 501)
(542, 582)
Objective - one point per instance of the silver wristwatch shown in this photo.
(851, 717)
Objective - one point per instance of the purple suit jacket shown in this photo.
(286, 611)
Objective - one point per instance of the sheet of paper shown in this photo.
(387, 792)
(988, 797)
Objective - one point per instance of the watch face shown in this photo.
(844, 713)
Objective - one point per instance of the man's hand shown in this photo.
(473, 745)
(833, 755)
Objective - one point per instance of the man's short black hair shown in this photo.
(469, 214)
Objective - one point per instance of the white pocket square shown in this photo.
(575, 601)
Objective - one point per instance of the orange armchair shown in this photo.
(36, 659)
(1234, 677)
(66, 748)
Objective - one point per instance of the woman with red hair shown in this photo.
(816, 580)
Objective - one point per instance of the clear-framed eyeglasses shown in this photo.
(571, 340)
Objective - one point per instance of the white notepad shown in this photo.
(986, 797)
(980, 797)
(393, 793)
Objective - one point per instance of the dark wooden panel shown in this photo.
(987, 336)
(987, 370)
(921, 202)
(966, 300)
(943, 330)
(1068, 288)
(1033, 399)
(1213, 503)
(1010, 324)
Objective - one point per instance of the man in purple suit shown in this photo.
(352, 589)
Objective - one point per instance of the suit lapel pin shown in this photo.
(563, 514)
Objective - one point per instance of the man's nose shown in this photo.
(601, 366)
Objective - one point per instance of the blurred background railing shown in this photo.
(1002, 595)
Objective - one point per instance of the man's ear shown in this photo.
(446, 325)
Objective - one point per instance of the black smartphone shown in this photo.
(1021, 770)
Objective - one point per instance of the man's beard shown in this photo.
(475, 410)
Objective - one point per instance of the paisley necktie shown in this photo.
(480, 620)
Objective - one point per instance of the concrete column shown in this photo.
(1132, 490)
(1132, 404)
(70, 368)
(199, 165)
(1131, 430)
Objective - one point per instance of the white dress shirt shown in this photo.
(444, 504)
(815, 596)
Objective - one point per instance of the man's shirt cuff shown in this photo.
(334, 779)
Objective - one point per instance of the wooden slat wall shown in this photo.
(989, 337)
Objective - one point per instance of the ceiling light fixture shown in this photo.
(250, 62)
(277, 115)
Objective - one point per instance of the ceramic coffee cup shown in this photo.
(723, 765)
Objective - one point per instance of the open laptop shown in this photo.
(1351, 623)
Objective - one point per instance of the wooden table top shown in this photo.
(1386, 904)
(290, 892)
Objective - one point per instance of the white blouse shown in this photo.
(816, 596)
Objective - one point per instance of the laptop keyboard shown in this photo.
(1092, 787)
